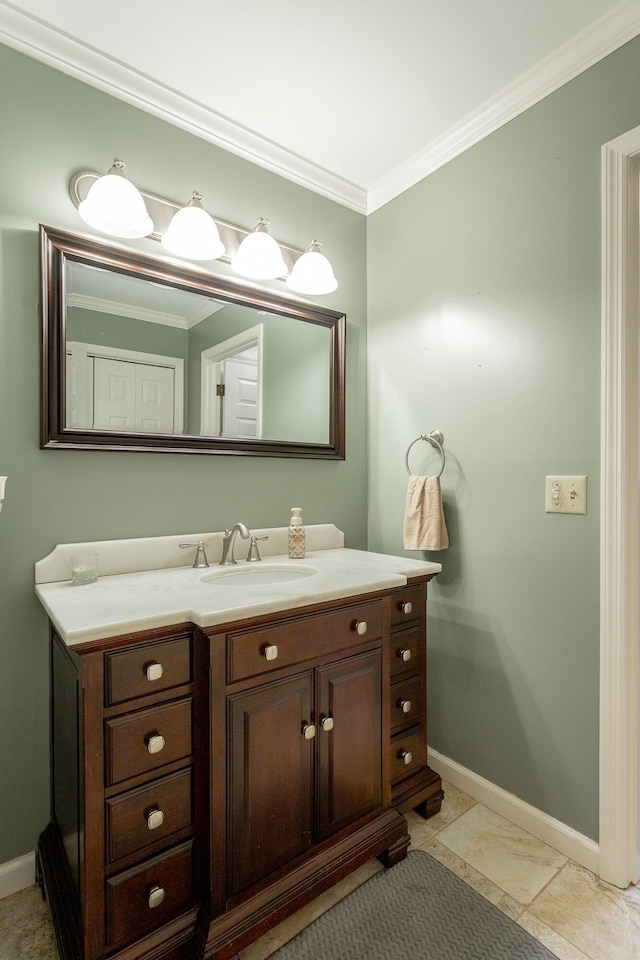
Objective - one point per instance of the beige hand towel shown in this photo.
(424, 526)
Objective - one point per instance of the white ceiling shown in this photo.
(356, 99)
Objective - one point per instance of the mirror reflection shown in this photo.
(183, 358)
(146, 359)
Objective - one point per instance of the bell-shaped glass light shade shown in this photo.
(259, 256)
(193, 234)
(114, 206)
(312, 273)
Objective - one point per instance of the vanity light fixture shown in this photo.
(111, 204)
(193, 233)
(259, 256)
(3, 481)
(114, 206)
(312, 273)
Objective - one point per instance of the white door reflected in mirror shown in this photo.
(231, 386)
(114, 389)
(239, 398)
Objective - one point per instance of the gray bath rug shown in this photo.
(417, 910)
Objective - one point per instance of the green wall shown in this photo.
(111, 330)
(484, 322)
(52, 127)
(296, 381)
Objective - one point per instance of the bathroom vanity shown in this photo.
(223, 750)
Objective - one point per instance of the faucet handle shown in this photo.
(201, 556)
(253, 556)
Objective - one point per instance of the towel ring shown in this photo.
(436, 439)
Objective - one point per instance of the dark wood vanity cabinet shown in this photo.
(118, 859)
(304, 762)
(207, 784)
(413, 784)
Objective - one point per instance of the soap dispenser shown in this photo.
(296, 538)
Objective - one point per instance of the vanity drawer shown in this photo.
(147, 669)
(143, 816)
(406, 703)
(147, 739)
(408, 604)
(149, 894)
(406, 652)
(408, 753)
(254, 652)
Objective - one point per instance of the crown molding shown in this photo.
(568, 61)
(137, 312)
(31, 36)
(40, 41)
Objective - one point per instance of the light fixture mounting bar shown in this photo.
(161, 211)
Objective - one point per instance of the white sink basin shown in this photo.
(258, 574)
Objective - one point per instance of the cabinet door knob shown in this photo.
(155, 743)
(360, 627)
(271, 651)
(309, 731)
(405, 705)
(155, 819)
(406, 756)
(327, 724)
(156, 896)
(154, 671)
(404, 655)
(406, 607)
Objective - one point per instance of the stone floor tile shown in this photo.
(520, 864)
(26, 930)
(550, 938)
(601, 920)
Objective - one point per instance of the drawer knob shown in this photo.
(360, 627)
(405, 705)
(156, 897)
(154, 671)
(405, 655)
(406, 607)
(327, 724)
(155, 743)
(271, 651)
(155, 819)
(309, 731)
(406, 756)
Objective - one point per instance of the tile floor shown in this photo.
(568, 909)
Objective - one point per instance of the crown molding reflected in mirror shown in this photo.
(143, 354)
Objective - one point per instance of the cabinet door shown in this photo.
(270, 777)
(349, 741)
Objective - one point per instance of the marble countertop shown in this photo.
(126, 602)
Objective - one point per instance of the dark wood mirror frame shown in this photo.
(57, 247)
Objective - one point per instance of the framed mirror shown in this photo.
(149, 355)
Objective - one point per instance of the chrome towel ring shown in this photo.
(436, 439)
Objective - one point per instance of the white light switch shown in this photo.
(565, 495)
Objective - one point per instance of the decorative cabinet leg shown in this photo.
(39, 877)
(431, 805)
(396, 852)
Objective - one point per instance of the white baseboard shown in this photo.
(556, 834)
(17, 874)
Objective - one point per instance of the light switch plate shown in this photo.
(565, 494)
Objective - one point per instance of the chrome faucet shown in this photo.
(254, 554)
(201, 556)
(229, 540)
